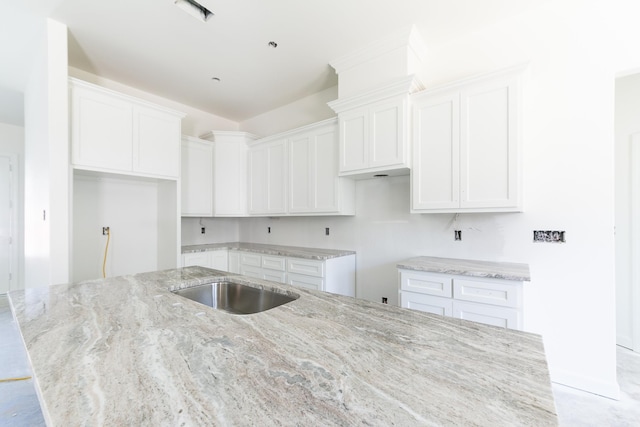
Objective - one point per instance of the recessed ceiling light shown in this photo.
(273, 44)
(194, 9)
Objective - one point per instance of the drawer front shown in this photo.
(274, 276)
(489, 315)
(309, 282)
(426, 303)
(250, 259)
(426, 283)
(496, 293)
(306, 267)
(251, 271)
(274, 263)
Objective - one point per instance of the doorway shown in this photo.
(627, 211)
(8, 223)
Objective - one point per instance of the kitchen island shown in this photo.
(127, 351)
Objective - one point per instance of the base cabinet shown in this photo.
(335, 275)
(494, 302)
(218, 260)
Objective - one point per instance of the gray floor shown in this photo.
(19, 405)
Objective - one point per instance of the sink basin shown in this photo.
(235, 298)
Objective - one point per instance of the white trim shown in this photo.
(610, 390)
(635, 239)
(14, 281)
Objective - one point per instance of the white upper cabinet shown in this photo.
(310, 184)
(466, 146)
(111, 132)
(314, 185)
(268, 178)
(197, 177)
(214, 174)
(374, 131)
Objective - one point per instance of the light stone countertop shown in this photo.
(467, 267)
(126, 351)
(291, 251)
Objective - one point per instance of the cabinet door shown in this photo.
(101, 130)
(435, 172)
(230, 170)
(234, 262)
(156, 142)
(489, 144)
(354, 137)
(220, 260)
(196, 258)
(426, 303)
(267, 170)
(327, 182)
(197, 178)
(302, 171)
(387, 124)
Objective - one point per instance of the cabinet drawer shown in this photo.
(495, 293)
(489, 315)
(306, 267)
(250, 259)
(196, 258)
(426, 303)
(309, 282)
(273, 263)
(275, 276)
(251, 271)
(426, 283)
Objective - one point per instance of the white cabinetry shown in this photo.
(466, 146)
(111, 132)
(197, 177)
(374, 131)
(214, 174)
(335, 275)
(494, 302)
(268, 178)
(217, 259)
(295, 173)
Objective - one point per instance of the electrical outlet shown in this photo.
(385, 300)
(457, 235)
(105, 231)
(551, 236)
(202, 230)
(326, 231)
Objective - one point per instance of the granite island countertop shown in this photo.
(267, 249)
(467, 267)
(127, 351)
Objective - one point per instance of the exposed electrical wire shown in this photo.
(106, 248)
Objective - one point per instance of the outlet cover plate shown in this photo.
(549, 236)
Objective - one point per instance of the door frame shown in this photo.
(635, 239)
(13, 219)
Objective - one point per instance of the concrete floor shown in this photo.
(19, 405)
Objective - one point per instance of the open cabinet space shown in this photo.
(142, 216)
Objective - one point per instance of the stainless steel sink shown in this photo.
(235, 297)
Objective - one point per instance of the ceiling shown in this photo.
(156, 47)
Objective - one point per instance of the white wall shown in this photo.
(47, 181)
(196, 122)
(12, 142)
(569, 180)
(129, 207)
(627, 122)
(302, 112)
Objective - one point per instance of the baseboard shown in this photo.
(610, 390)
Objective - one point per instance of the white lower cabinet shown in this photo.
(494, 302)
(218, 260)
